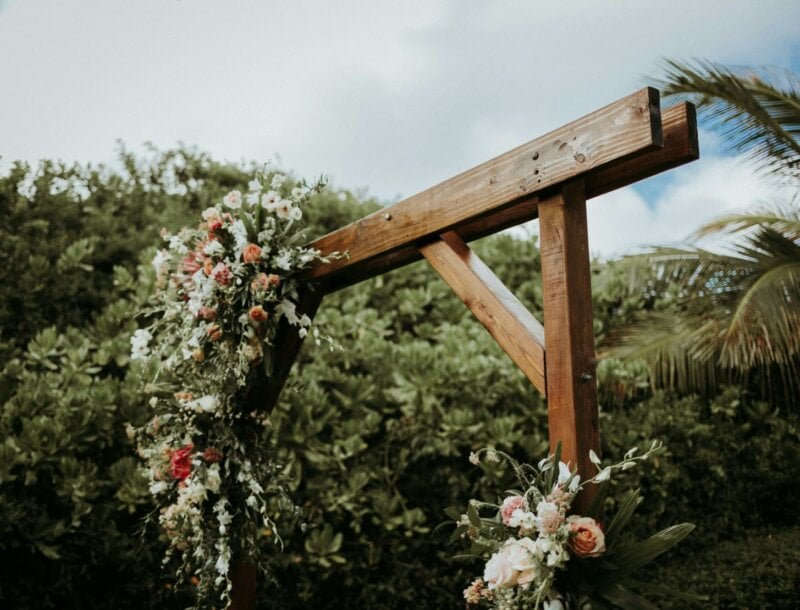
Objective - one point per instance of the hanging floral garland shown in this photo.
(223, 289)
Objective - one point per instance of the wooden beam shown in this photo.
(680, 147)
(569, 334)
(510, 323)
(626, 127)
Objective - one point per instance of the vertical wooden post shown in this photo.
(243, 577)
(569, 336)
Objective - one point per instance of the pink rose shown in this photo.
(221, 274)
(586, 539)
(511, 504)
(548, 517)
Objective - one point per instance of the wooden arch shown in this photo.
(549, 178)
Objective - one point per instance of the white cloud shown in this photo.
(391, 96)
(622, 221)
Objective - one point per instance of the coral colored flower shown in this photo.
(207, 313)
(212, 455)
(198, 354)
(511, 504)
(180, 462)
(260, 282)
(251, 253)
(274, 280)
(214, 225)
(221, 274)
(214, 332)
(183, 396)
(192, 262)
(587, 538)
(257, 314)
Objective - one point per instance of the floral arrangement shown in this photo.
(224, 287)
(540, 555)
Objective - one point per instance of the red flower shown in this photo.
(180, 462)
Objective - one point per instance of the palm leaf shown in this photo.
(755, 110)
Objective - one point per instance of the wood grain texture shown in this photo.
(514, 328)
(680, 146)
(628, 126)
(569, 335)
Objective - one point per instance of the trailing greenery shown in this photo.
(376, 435)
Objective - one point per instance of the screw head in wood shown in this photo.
(586, 377)
(387, 216)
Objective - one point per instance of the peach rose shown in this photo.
(214, 332)
(198, 354)
(586, 539)
(257, 314)
(207, 313)
(274, 280)
(260, 282)
(251, 253)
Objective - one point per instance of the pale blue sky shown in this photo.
(391, 96)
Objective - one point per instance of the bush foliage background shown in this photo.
(376, 435)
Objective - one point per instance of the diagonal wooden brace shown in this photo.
(510, 323)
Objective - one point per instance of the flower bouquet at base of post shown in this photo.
(224, 288)
(540, 556)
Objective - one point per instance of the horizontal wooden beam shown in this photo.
(610, 135)
(510, 323)
(679, 124)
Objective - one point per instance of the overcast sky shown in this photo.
(391, 96)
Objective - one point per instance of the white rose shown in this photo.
(519, 556)
(499, 571)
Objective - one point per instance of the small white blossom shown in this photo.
(214, 248)
(603, 475)
(140, 344)
(233, 200)
(474, 458)
(277, 181)
(254, 186)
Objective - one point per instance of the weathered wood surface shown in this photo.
(510, 323)
(569, 336)
(680, 146)
(620, 130)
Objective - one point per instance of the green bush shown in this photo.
(376, 435)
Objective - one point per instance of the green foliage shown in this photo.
(375, 436)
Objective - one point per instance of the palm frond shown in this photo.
(784, 218)
(755, 110)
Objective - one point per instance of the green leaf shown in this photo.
(595, 510)
(473, 516)
(627, 600)
(633, 557)
(453, 513)
(626, 510)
